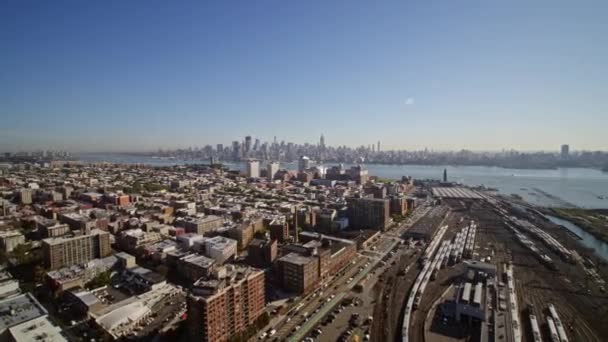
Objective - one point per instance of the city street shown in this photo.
(368, 265)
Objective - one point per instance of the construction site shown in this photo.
(486, 268)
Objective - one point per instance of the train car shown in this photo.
(552, 330)
(535, 329)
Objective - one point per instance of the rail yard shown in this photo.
(490, 269)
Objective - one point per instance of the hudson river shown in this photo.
(586, 188)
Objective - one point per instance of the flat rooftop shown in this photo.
(19, 309)
(295, 258)
(37, 329)
(456, 192)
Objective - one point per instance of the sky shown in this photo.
(446, 75)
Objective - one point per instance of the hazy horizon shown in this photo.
(136, 76)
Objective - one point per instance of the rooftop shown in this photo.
(61, 239)
(19, 309)
(38, 329)
(295, 258)
(199, 260)
(455, 192)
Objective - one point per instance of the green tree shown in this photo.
(100, 280)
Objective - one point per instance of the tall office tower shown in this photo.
(256, 146)
(219, 148)
(220, 308)
(565, 151)
(273, 168)
(64, 252)
(445, 175)
(303, 163)
(236, 150)
(378, 149)
(322, 142)
(248, 144)
(253, 168)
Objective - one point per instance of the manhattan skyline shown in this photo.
(129, 77)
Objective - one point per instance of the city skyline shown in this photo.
(301, 171)
(438, 76)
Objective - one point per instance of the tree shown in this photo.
(102, 279)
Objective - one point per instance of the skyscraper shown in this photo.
(322, 142)
(378, 149)
(565, 151)
(236, 150)
(253, 168)
(303, 163)
(445, 175)
(247, 144)
(273, 168)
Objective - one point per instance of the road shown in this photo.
(298, 323)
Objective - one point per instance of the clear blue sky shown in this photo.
(138, 75)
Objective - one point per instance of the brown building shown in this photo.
(262, 253)
(398, 205)
(78, 221)
(133, 240)
(120, 200)
(243, 234)
(201, 225)
(56, 230)
(279, 229)
(226, 304)
(378, 191)
(299, 273)
(368, 213)
(67, 251)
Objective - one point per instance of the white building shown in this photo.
(188, 240)
(303, 163)
(253, 168)
(273, 168)
(11, 239)
(220, 248)
(37, 329)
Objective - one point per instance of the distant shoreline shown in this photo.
(419, 163)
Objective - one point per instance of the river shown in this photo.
(551, 188)
(588, 240)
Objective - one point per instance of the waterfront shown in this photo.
(552, 188)
(587, 239)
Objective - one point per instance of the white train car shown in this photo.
(561, 331)
(535, 329)
(552, 329)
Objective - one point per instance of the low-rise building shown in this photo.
(11, 239)
(17, 310)
(220, 248)
(37, 329)
(78, 275)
